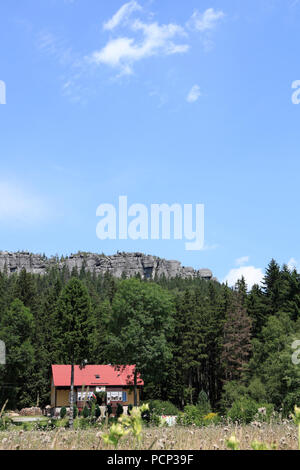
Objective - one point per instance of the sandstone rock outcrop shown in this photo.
(128, 264)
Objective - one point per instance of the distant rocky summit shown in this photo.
(128, 264)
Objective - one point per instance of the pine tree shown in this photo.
(16, 329)
(237, 344)
(74, 323)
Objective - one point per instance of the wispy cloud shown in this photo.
(194, 94)
(133, 37)
(51, 45)
(143, 39)
(123, 52)
(242, 260)
(205, 21)
(122, 15)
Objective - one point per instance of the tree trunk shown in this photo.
(71, 419)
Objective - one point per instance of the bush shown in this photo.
(81, 423)
(63, 412)
(243, 410)
(158, 407)
(146, 416)
(265, 412)
(86, 412)
(120, 410)
(97, 412)
(232, 391)
(192, 415)
(203, 403)
(130, 406)
(211, 418)
(75, 411)
(108, 410)
(100, 397)
(62, 423)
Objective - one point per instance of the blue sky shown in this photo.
(162, 101)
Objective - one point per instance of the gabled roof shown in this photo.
(93, 375)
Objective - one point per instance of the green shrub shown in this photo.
(146, 415)
(62, 423)
(211, 418)
(75, 411)
(130, 406)
(192, 415)
(243, 410)
(120, 410)
(108, 410)
(86, 412)
(81, 423)
(63, 412)
(265, 412)
(158, 407)
(100, 397)
(203, 403)
(232, 391)
(97, 412)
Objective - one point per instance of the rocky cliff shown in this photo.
(129, 264)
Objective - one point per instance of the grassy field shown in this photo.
(280, 436)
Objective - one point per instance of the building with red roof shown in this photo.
(115, 383)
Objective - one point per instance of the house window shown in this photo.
(124, 398)
(114, 396)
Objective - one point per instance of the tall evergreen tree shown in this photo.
(237, 344)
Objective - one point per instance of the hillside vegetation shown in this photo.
(191, 340)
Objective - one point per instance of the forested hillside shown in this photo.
(184, 335)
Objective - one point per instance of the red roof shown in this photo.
(92, 375)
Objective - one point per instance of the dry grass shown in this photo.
(284, 436)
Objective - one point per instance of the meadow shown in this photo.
(282, 436)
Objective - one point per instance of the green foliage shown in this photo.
(184, 335)
(243, 410)
(97, 411)
(140, 327)
(159, 408)
(75, 411)
(73, 322)
(86, 412)
(108, 410)
(119, 411)
(63, 412)
(233, 443)
(16, 330)
(192, 415)
(203, 403)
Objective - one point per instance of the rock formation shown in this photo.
(129, 264)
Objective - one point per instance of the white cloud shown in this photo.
(251, 274)
(17, 205)
(157, 39)
(122, 15)
(292, 264)
(194, 94)
(53, 46)
(206, 21)
(242, 260)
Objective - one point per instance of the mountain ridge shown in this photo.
(130, 264)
